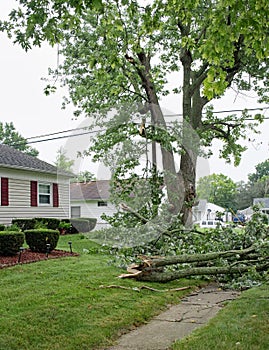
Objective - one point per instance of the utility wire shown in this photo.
(40, 137)
(230, 111)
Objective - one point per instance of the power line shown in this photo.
(63, 137)
(92, 132)
(229, 111)
(55, 133)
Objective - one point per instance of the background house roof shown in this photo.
(93, 190)
(264, 202)
(12, 158)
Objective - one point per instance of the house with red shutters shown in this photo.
(30, 187)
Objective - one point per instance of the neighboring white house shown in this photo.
(91, 200)
(30, 187)
(208, 211)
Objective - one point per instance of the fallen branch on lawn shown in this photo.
(152, 268)
(138, 289)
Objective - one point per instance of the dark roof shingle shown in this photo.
(12, 158)
(93, 190)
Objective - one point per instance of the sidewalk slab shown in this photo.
(177, 322)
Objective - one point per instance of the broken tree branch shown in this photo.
(138, 289)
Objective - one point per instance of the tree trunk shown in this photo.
(188, 258)
(193, 105)
(175, 192)
(195, 271)
(234, 261)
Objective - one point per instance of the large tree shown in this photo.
(123, 53)
(9, 136)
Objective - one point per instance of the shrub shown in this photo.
(10, 242)
(80, 225)
(83, 224)
(2, 227)
(13, 227)
(37, 223)
(92, 222)
(50, 223)
(38, 239)
(24, 224)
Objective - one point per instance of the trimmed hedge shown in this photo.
(30, 224)
(81, 225)
(50, 223)
(39, 238)
(92, 222)
(10, 242)
(24, 224)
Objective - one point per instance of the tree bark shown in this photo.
(187, 258)
(195, 271)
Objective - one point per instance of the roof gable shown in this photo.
(264, 202)
(92, 190)
(12, 158)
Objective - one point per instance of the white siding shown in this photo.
(19, 196)
(90, 209)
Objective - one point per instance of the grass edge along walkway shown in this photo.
(242, 325)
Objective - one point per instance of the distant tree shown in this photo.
(245, 195)
(9, 136)
(218, 189)
(256, 187)
(62, 161)
(262, 169)
(84, 176)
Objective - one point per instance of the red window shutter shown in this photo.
(4, 191)
(55, 195)
(33, 193)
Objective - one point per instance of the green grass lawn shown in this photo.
(242, 325)
(57, 303)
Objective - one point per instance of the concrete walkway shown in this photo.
(177, 322)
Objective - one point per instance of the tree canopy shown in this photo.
(257, 186)
(218, 189)
(62, 161)
(9, 136)
(119, 56)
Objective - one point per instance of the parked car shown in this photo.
(210, 223)
(239, 218)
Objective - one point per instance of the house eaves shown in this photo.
(14, 159)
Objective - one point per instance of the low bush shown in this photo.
(80, 225)
(38, 239)
(2, 227)
(24, 224)
(50, 223)
(13, 227)
(92, 222)
(10, 242)
(37, 223)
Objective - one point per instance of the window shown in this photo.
(75, 212)
(102, 204)
(44, 194)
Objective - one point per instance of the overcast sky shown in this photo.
(23, 102)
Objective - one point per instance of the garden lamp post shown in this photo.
(70, 247)
(20, 253)
(48, 249)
